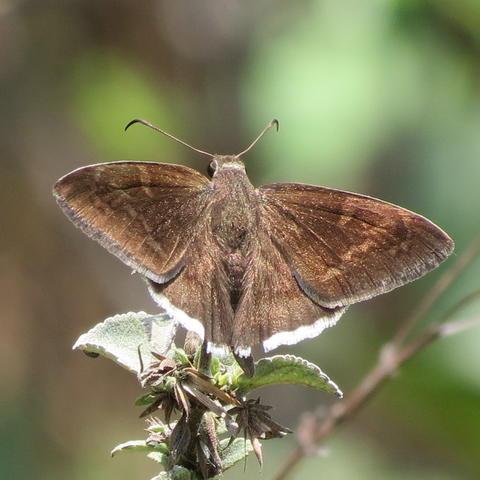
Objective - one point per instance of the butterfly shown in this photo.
(242, 266)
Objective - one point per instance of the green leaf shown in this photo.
(121, 337)
(157, 427)
(132, 446)
(215, 366)
(176, 473)
(179, 356)
(158, 452)
(233, 453)
(145, 400)
(287, 369)
(158, 457)
(227, 371)
(161, 476)
(182, 473)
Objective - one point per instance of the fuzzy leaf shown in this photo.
(158, 457)
(182, 473)
(120, 338)
(287, 369)
(161, 476)
(235, 452)
(176, 473)
(132, 446)
(158, 452)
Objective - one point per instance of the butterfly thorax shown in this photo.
(234, 220)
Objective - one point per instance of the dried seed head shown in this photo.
(252, 418)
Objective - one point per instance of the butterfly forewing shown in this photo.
(144, 213)
(343, 247)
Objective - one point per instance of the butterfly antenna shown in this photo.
(169, 135)
(273, 123)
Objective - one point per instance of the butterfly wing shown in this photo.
(343, 247)
(273, 309)
(144, 213)
(198, 296)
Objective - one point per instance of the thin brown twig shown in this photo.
(460, 304)
(342, 411)
(392, 356)
(438, 288)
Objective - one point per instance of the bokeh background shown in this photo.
(380, 97)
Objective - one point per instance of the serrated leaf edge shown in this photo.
(307, 364)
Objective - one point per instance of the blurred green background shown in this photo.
(380, 97)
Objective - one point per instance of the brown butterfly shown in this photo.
(240, 265)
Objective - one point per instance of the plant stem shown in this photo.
(205, 360)
(438, 288)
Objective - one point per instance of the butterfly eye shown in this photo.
(211, 169)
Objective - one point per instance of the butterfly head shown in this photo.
(224, 162)
(233, 162)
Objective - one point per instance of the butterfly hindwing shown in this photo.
(273, 309)
(198, 296)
